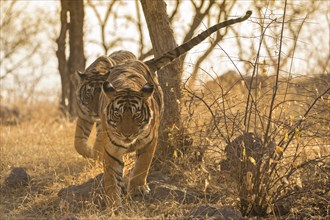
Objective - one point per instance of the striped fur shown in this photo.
(130, 107)
(87, 98)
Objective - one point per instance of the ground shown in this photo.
(43, 177)
(42, 146)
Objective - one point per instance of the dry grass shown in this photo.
(43, 146)
(42, 143)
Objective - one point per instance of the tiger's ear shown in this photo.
(76, 78)
(147, 90)
(108, 89)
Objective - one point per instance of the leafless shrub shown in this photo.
(272, 129)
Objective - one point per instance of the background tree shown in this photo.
(162, 39)
(23, 54)
(293, 179)
(73, 26)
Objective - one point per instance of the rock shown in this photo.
(162, 188)
(90, 191)
(162, 191)
(18, 177)
(212, 212)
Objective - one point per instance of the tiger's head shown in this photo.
(128, 112)
(88, 89)
(88, 85)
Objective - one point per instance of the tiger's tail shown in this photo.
(158, 63)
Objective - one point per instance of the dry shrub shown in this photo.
(267, 169)
(271, 128)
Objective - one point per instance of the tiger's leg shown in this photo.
(99, 143)
(113, 176)
(83, 130)
(138, 178)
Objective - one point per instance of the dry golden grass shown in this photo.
(42, 143)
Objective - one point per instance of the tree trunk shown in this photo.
(162, 40)
(61, 57)
(73, 25)
(76, 59)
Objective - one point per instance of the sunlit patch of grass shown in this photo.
(43, 146)
(42, 143)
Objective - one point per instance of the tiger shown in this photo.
(88, 88)
(130, 107)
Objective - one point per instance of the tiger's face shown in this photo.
(87, 95)
(128, 112)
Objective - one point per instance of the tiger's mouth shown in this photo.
(128, 140)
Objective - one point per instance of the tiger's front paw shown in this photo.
(140, 192)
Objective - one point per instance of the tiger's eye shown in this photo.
(138, 113)
(116, 112)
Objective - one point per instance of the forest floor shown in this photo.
(43, 147)
(60, 184)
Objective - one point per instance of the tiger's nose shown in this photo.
(127, 131)
(127, 134)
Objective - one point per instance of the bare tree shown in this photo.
(298, 16)
(12, 43)
(109, 15)
(163, 40)
(106, 44)
(72, 25)
(22, 55)
(223, 9)
(202, 12)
